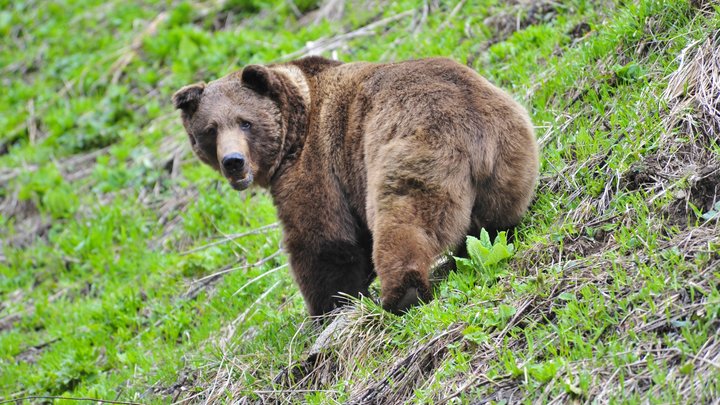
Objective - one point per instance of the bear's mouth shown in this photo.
(242, 184)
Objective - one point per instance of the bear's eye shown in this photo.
(211, 132)
(244, 125)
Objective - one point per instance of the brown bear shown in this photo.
(374, 168)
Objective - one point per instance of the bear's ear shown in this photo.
(259, 78)
(187, 99)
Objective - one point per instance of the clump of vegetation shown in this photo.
(130, 272)
(484, 256)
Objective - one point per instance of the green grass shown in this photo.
(111, 288)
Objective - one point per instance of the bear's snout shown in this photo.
(237, 170)
(233, 164)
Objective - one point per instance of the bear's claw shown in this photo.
(410, 299)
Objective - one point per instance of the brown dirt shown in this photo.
(180, 388)
(684, 165)
(9, 321)
(705, 190)
(31, 354)
(29, 225)
(579, 30)
(520, 15)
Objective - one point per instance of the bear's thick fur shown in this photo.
(374, 168)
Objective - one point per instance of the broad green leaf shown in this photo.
(485, 238)
(713, 213)
(464, 265)
(476, 250)
(501, 238)
(497, 254)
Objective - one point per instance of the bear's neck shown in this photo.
(315, 160)
(294, 107)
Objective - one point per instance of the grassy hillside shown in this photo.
(130, 272)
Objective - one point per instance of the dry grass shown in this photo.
(693, 91)
(692, 124)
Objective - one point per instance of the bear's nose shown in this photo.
(233, 163)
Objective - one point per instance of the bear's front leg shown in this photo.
(328, 271)
(329, 251)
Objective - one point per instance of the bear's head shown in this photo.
(236, 124)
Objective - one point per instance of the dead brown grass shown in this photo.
(685, 165)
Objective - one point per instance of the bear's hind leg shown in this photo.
(403, 254)
(415, 220)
